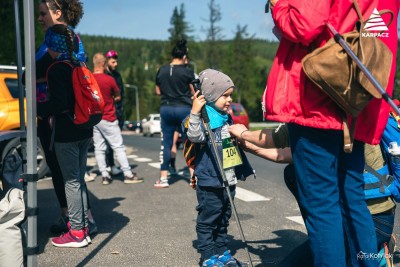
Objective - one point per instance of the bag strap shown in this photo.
(382, 12)
(348, 134)
(357, 7)
(383, 180)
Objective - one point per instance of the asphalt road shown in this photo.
(143, 226)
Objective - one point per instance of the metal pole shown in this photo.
(137, 99)
(29, 33)
(19, 64)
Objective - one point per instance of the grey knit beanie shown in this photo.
(214, 84)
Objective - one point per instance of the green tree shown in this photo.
(214, 35)
(8, 51)
(240, 62)
(180, 29)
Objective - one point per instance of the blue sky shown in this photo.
(150, 19)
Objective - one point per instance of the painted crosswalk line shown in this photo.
(249, 196)
(142, 159)
(155, 165)
(297, 219)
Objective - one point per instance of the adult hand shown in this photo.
(237, 129)
(198, 103)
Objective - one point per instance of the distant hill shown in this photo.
(139, 61)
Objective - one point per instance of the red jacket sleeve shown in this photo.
(301, 21)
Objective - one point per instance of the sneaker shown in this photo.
(115, 170)
(90, 177)
(87, 235)
(228, 260)
(162, 183)
(69, 241)
(60, 226)
(212, 262)
(86, 230)
(106, 180)
(133, 179)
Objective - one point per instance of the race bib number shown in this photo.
(230, 151)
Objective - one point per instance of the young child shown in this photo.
(214, 208)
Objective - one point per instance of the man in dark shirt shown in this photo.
(111, 69)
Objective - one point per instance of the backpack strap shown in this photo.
(348, 134)
(57, 62)
(383, 180)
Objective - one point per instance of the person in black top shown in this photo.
(173, 84)
(70, 143)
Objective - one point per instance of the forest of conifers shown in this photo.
(245, 59)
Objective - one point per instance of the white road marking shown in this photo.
(249, 196)
(142, 159)
(132, 156)
(155, 165)
(297, 219)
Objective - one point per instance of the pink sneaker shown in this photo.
(87, 236)
(69, 241)
(86, 230)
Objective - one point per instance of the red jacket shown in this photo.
(290, 96)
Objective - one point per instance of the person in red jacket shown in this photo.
(330, 182)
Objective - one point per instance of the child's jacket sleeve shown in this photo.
(195, 132)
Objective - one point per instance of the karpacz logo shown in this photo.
(375, 26)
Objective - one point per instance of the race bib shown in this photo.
(230, 152)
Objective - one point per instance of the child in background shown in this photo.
(214, 208)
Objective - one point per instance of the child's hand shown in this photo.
(198, 103)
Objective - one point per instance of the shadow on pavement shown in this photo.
(181, 174)
(268, 249)
(110, 221)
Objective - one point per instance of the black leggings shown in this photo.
(44, 133)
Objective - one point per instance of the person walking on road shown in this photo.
(107, 129)
(329, 181)
(173, 84)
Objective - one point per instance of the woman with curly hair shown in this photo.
(67, 13)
